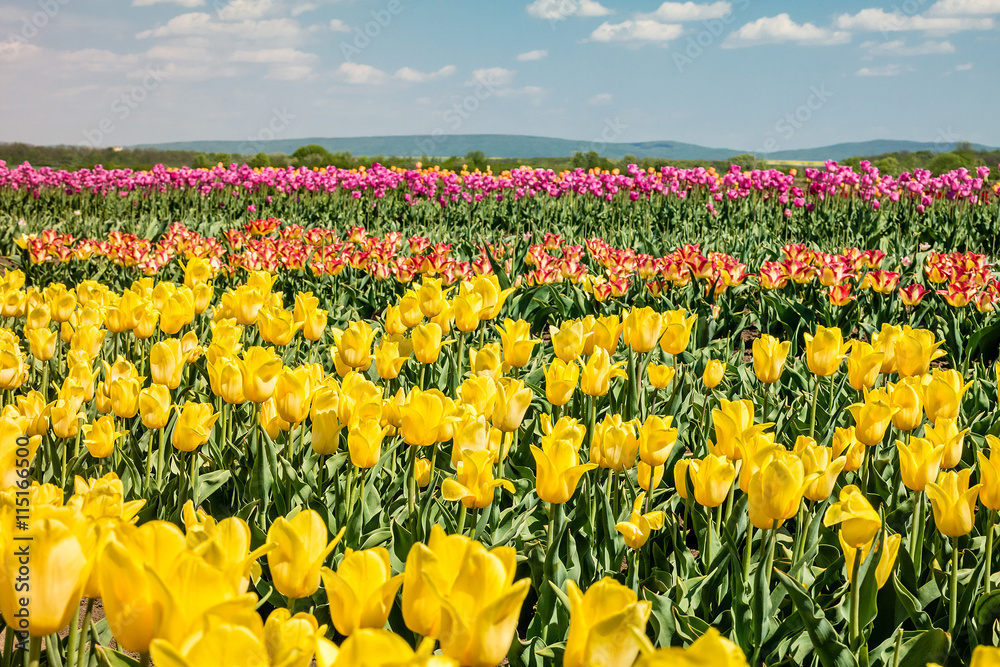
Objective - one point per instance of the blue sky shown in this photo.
(753, 75)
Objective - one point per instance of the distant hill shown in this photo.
(522, 146)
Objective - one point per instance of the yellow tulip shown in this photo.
(474, 482)
(65, 415)
(58, 564)
(907, 398)
(512, 401)
(127, 595)
(637, 529)
(919, 462)
(430, 573)
(194, 426)
(225, 643)
(846, 444)
(769, 355)
(382, 648)
(154, 406)
(364, 442)
(709, 650)
(486, 362)
(34, 409)
(423, 472)
(276, 325)
(714, 373)
(884, 341)
(886, 561)
(293, 391)
(954, 502)
(711, 478)
(595, 380)
(226, 380)
(361, 591)
(42, 343)
(989, 471)
(825, 350)
(676, 332)
(734, 426)
(176, 311)
(479, 393)
(493, 298)
(88, 339)
(557, 463)
(863, 365)
(983, 656)
(271, 421)
(605, 333)
(302, 547)
(325, 422)
(614, 445)
(568, 340)
(943, 395)
(642, 328)
(431, 297)
(166, 363)
(872, 417)
(427, 342)
(818, 462)
(517, 342)
(776, 488)
(656, 440)
(423, 418)
(467, 309)
(650, 477)
(100, 437)
(293, 641)
(124, 395)
(859, 522)
(259, 367)
(390, 357)
(915, 350)
(603, 624)
(13, 466)
(946, 433)
(560, 381)
(660, 376)
(354, 345)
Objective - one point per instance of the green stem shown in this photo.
(708, 539)
(411, 495)
(34, 651)
(917, 536)
(812, 412)
(162, 458)
(989, 549)
(800, 534)
(8, 647)
(194, 478)
(80, 660)
(462, 512)
(953, 591)
(856, 600)
(291, 605)
(746, 553)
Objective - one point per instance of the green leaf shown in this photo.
(988, 609)
(829, 650)
(930, 646)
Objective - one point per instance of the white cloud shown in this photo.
(881, 70)
(337, 25)
(898, 47)
(963, 68)
(526, 91)
(413, 76)
(533, 55)
(879, 20)
(241, 10)
(639, 30)
(690, 11)
(285, 55)
(492, 76)
(557, 10)
(779, 29)
(182, 3)
(303, 8)
(200, 24)
(600, 99)
(964, 7)
(358, 74)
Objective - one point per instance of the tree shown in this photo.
(261, 160)
(945, 162)
(202, 161)
(748, 161)
(312, 155)
(476, 160)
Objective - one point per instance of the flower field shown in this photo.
(378, 417)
